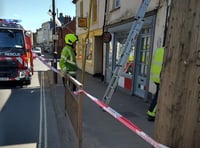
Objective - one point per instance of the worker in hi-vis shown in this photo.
(156, 67)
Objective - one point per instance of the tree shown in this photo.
(178, 110)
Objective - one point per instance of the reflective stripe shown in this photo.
(71, 56)
(63, 57)
(157, 63)
(71, 62)
(156, 76)
(153, 113)
(72, 72)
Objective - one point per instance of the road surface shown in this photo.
(26, 114)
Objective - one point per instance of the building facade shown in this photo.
(94, 30)
(119, 19)
(68, 27)
(116, 17)
(44, 36)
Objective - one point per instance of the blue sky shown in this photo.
(33, 13)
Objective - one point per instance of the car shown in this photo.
(37, 50)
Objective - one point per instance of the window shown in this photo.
(116, 4)
(11, 38)
(120, 39)
(81, 46)
(81, 8)
(89, 51)
(94, 11)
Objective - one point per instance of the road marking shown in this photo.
(29, 145)
(4, 98)
(43, 114)
(41, 118)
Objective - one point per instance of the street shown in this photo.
(26, 114)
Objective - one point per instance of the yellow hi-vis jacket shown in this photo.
(68, 61)
(156, 65)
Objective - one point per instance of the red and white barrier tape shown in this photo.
(43, 60)
(123, 120)
(113, 113)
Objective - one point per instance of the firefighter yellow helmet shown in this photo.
(70, 38)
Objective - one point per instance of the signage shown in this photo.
(82, 22)
(107, 37)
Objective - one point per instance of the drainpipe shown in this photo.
(107, 45)
(54, 42)
(87, 43)
(166, 21)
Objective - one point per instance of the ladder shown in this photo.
(131, 40)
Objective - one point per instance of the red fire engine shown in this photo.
(16, 60)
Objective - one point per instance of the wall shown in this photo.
(127, 10)
(95, 37)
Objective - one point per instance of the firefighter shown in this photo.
(156, 67)
(68, 58)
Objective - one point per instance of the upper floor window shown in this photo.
(94, 11)
(81, 8)
(116, 4)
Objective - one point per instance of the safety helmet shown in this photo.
(70, 38)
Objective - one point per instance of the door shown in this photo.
(143, 60)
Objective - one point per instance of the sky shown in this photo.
(33, 13)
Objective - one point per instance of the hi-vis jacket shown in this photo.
(156, 65)
(68, 61)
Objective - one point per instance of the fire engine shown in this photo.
(16, 60)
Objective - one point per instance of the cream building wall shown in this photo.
(128, 9)
(95, 32)
(100, 15)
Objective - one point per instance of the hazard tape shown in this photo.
(113, 113)
(43, 60)
(123, 120)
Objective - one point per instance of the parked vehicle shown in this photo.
(37, 50)
(16, 60)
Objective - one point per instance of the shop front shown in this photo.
(93, 52)
(136, 73)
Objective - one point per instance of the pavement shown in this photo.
(101, 130)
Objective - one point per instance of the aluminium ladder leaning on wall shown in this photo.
(131, 40)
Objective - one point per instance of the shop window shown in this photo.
(120, 43)
(128, 69)
(80, 48)
(89, 51)
(110, 55)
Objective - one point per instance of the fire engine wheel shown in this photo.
(27, 82)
